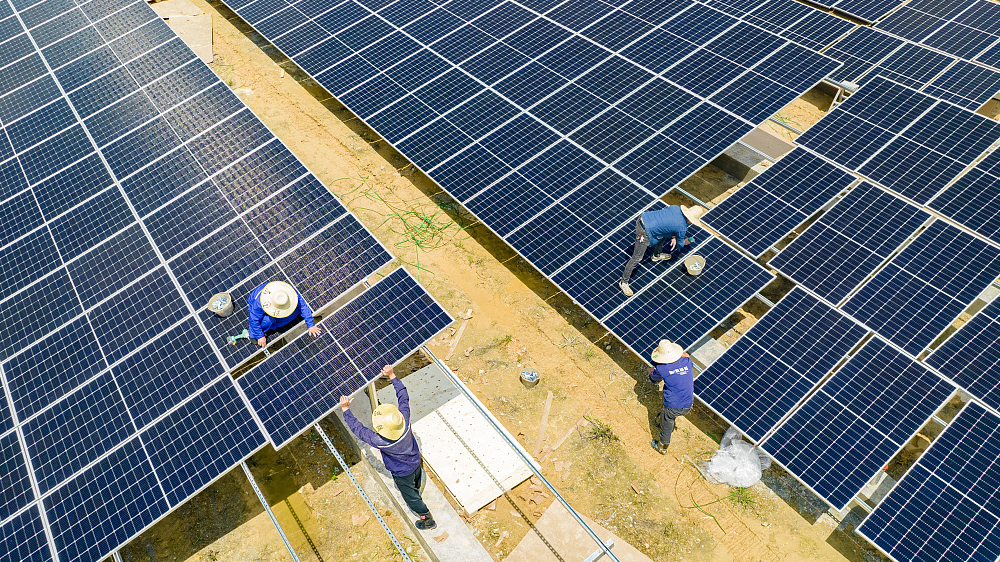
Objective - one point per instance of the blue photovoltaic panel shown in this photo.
(105, 505)
(922, 290)
(777, 363)
(15, 486)
(945, 507)
(683, 308)
(904, 140)
(861, 50)
(910, 65)
(848, 243)
(971, 357)
(867, 10)
(23, 538)
(777, 201)
(966, 84)
(304, 380)
(846, 432)
(202, 440)
(973, 201)
(964, 29)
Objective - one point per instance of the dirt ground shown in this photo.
(659, 504)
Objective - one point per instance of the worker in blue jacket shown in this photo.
(656, 228)
(673, 367)
(394, 439)
(274, 305)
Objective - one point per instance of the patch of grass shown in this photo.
(212, 555)
(600, 430)
(570, 339)
(334, 473)
(743, 498)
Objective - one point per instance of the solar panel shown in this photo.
(944, 507)
(133, 185)
(966, 84)
(862, 49)
(866, 10)
(777, 201)
(970, 356)
(860, 418)
(684, 308)
(964, 29)
(904, 140)
(922, 290)
(849, 242)
(777, 362)
(910, 65)
(304, 380)
(973, 201)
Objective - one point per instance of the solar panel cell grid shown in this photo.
(966, 84)
(838, 252)
(23, 538)
(971, 357)
(857, 421)
(777, 362)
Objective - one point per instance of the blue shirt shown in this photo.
(678, 382)
(261, 322)
(665, 224)
(402, 456)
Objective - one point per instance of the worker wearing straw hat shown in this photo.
(393, 438)
(274, 305)
(674, 368)
(656, 228)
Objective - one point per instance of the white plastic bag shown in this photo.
(736, 463)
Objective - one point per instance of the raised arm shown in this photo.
(363, 433)
(402, 396)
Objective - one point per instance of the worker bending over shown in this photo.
(274, 305)
(674, 368)
(656, 228)
(394, 439)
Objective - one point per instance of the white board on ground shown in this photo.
(452, 452)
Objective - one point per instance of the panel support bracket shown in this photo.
(267, 508)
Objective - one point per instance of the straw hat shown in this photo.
(693, 214)
(279, 299)
(667, 352)
(388, 421)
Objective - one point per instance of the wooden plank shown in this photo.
(541, 426)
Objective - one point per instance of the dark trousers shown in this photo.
(641, 245)
(409, 487)
(667, 417)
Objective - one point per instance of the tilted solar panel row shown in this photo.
(945, 507)
(792, 20)
(964, 29)
(902, 139)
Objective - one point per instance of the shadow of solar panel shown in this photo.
(971, 357)
(860, 418)
(304, 380)
(202, 440)
(848, 243)
(921, 291)
(777, 201)
(683, 308)
(937, 511)
(773, 366)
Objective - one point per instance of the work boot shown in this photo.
(662, 257)
(625, 288)
(659, 447)
(426, 522)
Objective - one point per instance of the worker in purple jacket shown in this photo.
(274, 305)
(394, 439)
(656, 228)
(674, 368)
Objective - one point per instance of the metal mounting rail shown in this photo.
(116, 557)
(361, 492)
(604, 549)
(267, 508)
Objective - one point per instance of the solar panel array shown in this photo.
(777, 362)
(303, 382)
(838, 252)
(966, 29)
(902, 139)
(528, 113)
(971, 357)
(133, 185)
(778, 201)
(974, 200)
(965, 84)
(946, 506)
(922, 291)
(857, 421)
(792, 20)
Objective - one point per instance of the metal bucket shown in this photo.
(221, 304)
